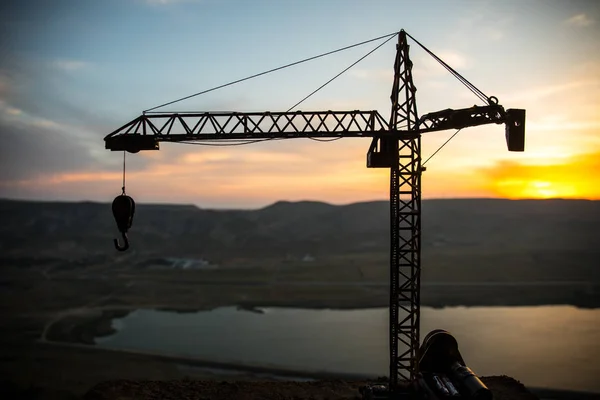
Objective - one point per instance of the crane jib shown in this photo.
(146, 131)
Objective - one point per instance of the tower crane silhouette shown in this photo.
(395, 144)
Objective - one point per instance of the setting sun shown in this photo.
(535, 189)
(576, 177)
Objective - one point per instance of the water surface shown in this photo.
(546, 346)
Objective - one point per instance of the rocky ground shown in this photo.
(503, 388)
(45, 371)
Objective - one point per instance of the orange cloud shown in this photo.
(574, 177)
(336, 173)
(64, 178)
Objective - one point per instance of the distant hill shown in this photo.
(560, 232)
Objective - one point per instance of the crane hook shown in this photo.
(123, 208)
(125, 246)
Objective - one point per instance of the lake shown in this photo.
(545, 346)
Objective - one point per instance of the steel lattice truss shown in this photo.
(405, 214)
(457, 119)
(237, 125)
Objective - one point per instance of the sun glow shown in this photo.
(574, 178)
(536, 189)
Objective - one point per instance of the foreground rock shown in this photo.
(503, 388)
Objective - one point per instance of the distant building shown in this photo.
(191, 263)
(308, 258)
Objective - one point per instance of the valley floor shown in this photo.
(40, 307)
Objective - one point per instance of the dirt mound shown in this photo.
(503, 388)
(214, 390)
(12, 391)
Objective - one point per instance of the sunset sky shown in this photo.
(73, 71)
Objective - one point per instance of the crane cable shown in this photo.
(344, 70)
(441, 147)
(123, 188)
(334, 78)
(271, 70)
(242, 142)
(482, 96)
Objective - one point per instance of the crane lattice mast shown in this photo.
(401, 153)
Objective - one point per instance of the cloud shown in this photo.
(70, 65)
(64, 178)
(385, 75)
(13, 111)
(30, 151)
(20, 119)
(235, 177)
(562, 125)
(427, 66)
(494, 34)
(4, 84)
(38, 149)
(479, 17)
(579, 20)
(44, 89)
(552, 90)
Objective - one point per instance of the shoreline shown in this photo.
(225, 371)
(200, 363)
(87, 325)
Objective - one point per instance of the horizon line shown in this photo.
(159, 203)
